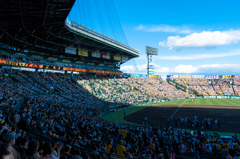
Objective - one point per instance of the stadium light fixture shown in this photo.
(150, 51)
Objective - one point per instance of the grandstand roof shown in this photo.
(39, 27)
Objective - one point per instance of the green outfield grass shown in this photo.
(117, 117)
(200, 101)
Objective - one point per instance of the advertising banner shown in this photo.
(229, 97)
(211, 76)
(143, 75)
(151, 72)
(169, 76)
(70, 50)
(83, 52)
(52, 58)
(22, 64)
(74, 69)
(151, 67)
(228, 94)
(124, 58)
(127, 74)
(66, 61)
(61, 64)
(171, 82)
(185, 76)
(37, 56)
(227, 76)
(117, 58)
(106, 55)
(96, 54)
(105, 72)
(135, 75)
(198, 76)
(154, 76)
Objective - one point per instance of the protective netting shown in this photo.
(131, 67)
(99, 15)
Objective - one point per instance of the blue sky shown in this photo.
(201, 37)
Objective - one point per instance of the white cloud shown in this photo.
(205, 39)
(207, 68)
(198, 56)
(165, 28)
(162, 69)
(142, 67)
(128, 68)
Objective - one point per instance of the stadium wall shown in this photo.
(219, 97)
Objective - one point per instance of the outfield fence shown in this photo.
(198, 97)
(167, 100)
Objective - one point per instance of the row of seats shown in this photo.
(211, 86)
(61, 118)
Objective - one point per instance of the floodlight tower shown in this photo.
(150, 51)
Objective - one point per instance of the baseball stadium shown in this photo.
(65, 92)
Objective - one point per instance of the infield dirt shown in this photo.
(229, 116)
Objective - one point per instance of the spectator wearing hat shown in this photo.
(9, 138)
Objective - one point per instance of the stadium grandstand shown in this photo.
(60, 78)
(208, 84)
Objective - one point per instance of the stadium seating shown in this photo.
(131, 90)
(211, 86)
(41, 110)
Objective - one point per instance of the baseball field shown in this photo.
(225, 110)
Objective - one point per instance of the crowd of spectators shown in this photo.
(223, 86)
(209, 89)
(131, 90)
(198, 122)
(237, 80)
(38, 61)
(60, 118)
(199, 89)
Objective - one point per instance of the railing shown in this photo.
(18, 105)
(15, 109)
(40, 62)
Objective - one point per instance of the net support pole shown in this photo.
(186, 83)
(44, 73)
